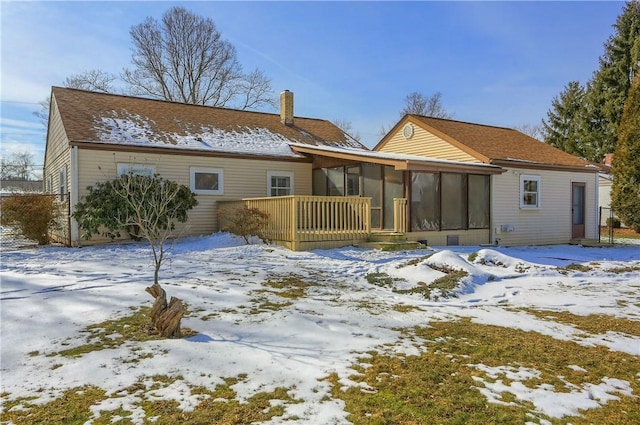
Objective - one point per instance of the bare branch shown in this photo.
(18, 166)
(256, 91)
(347, 127)
(534, 131)
(183, 58)
(419, 104)
(93, 79)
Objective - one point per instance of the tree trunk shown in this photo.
(165, 317)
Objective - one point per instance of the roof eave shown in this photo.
(543, 166)
(417, 121)
(100, 146)
(403, 164)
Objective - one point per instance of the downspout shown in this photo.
(492, 225)
(75, 239)
(597, 207)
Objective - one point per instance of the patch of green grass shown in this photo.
(264, 305)
(381, 279)
(404, 308)
(217, 314)
(114, 333)
(414, 261)
(372, 305)
(72, 408)
(522, 268)
(445, 285)
(627, 269)
(593, 323)
(575, 267)
(218, 406)
(438, 386)
(290, 286)
(472, 257)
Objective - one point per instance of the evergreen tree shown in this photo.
(607, 91)
(590, 131)
(625, 196)
(562, 129)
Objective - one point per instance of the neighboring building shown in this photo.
(8, 187)
(605, 186)
(438, 181)
(545, 196)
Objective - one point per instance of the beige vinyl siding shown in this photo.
(57, 153)
(57, 158)
(549, 224)
(465, 237)
(242, 178)
(424, 143)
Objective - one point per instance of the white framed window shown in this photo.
(136, 169)
(50, 184)
(530, 192)
(279, 183)
(207, 181)
(62, 179)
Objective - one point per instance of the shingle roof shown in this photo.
(90, 117)
(499, 143)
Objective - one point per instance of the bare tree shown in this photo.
(18, 166)
(255, 91)
(419, 104)
(347, 127)
(93, 79)
(384, 130)
(534, 131)
(183, 58)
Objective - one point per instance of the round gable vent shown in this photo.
(407, 131)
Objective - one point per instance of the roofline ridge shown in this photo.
(463, 122)
(128, 96)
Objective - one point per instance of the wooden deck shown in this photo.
(301, 222)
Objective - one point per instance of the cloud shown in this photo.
(14, 123)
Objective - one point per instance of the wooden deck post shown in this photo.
(295, 235)
(399, 215)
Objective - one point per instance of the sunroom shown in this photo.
(358, 193)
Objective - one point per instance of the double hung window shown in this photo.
(279, 183)
(529, 192)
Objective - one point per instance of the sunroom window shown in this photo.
(449, 201)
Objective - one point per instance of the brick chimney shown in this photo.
(608, 159)
(286, 108)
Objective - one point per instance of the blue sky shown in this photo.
(497, 63)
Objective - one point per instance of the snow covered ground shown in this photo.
(49, 295)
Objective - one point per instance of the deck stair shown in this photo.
(390, 241)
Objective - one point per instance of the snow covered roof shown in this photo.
(101, 118)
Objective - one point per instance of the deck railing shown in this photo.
(300, 221)
(400, 215)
